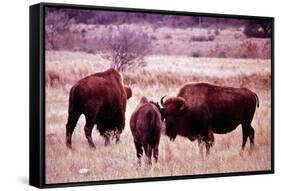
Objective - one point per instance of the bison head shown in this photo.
(173, 111)
(128, 91)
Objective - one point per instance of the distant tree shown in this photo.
(258, 29)
(57, 23)
(126, 47)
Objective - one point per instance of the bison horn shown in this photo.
(161, 101)
(183, 103)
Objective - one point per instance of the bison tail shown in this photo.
(71, 100)
(257, 98)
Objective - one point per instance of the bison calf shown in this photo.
(146, 124)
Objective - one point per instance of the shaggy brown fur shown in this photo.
(202, 109)
(146, 124)
(102, 98)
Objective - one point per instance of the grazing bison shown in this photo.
(102, 98)
(146, 124)
(202, 109)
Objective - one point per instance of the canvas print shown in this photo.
(132, 95)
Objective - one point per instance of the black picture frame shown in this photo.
(37, 96)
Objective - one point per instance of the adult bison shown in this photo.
(146, 125)
(102, 98)
(202, 109)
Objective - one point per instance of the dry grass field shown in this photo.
(163, 75)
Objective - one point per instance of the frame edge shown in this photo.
(35, 170)
(36, 139)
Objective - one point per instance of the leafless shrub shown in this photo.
(266, 49)
(238, 36)
(126, 47)
(72, 41)
(214, 51)
(213, 31)
(196, 54)
(53, 78)
(153, 37)
(168, 36)
(92, 45)
(219, 51)
(217, 32)
(202, 38)
(248, 49)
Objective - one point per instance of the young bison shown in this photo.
(146, 124)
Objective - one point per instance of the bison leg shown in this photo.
(210, 141)
(244, 137)
(101, 127)
(252, 137)
(139, 151)
(155, 153)
(106, 136)
(248, 131)
(117, 136)
(208, 146)
(70, 125)
(88, 130)
(120, 125)
(200, 145)
(148, 153)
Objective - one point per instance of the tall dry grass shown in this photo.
(163, 75)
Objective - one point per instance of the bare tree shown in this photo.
(57, 25)
(126, 47)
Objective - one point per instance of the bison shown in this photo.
(201, 109)
(102, 98)
(146, 125)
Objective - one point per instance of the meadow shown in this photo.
(162, 75)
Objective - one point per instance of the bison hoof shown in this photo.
(68, 145)
(117, 140)
(148, 162)
(252, 147)
(92, 146)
